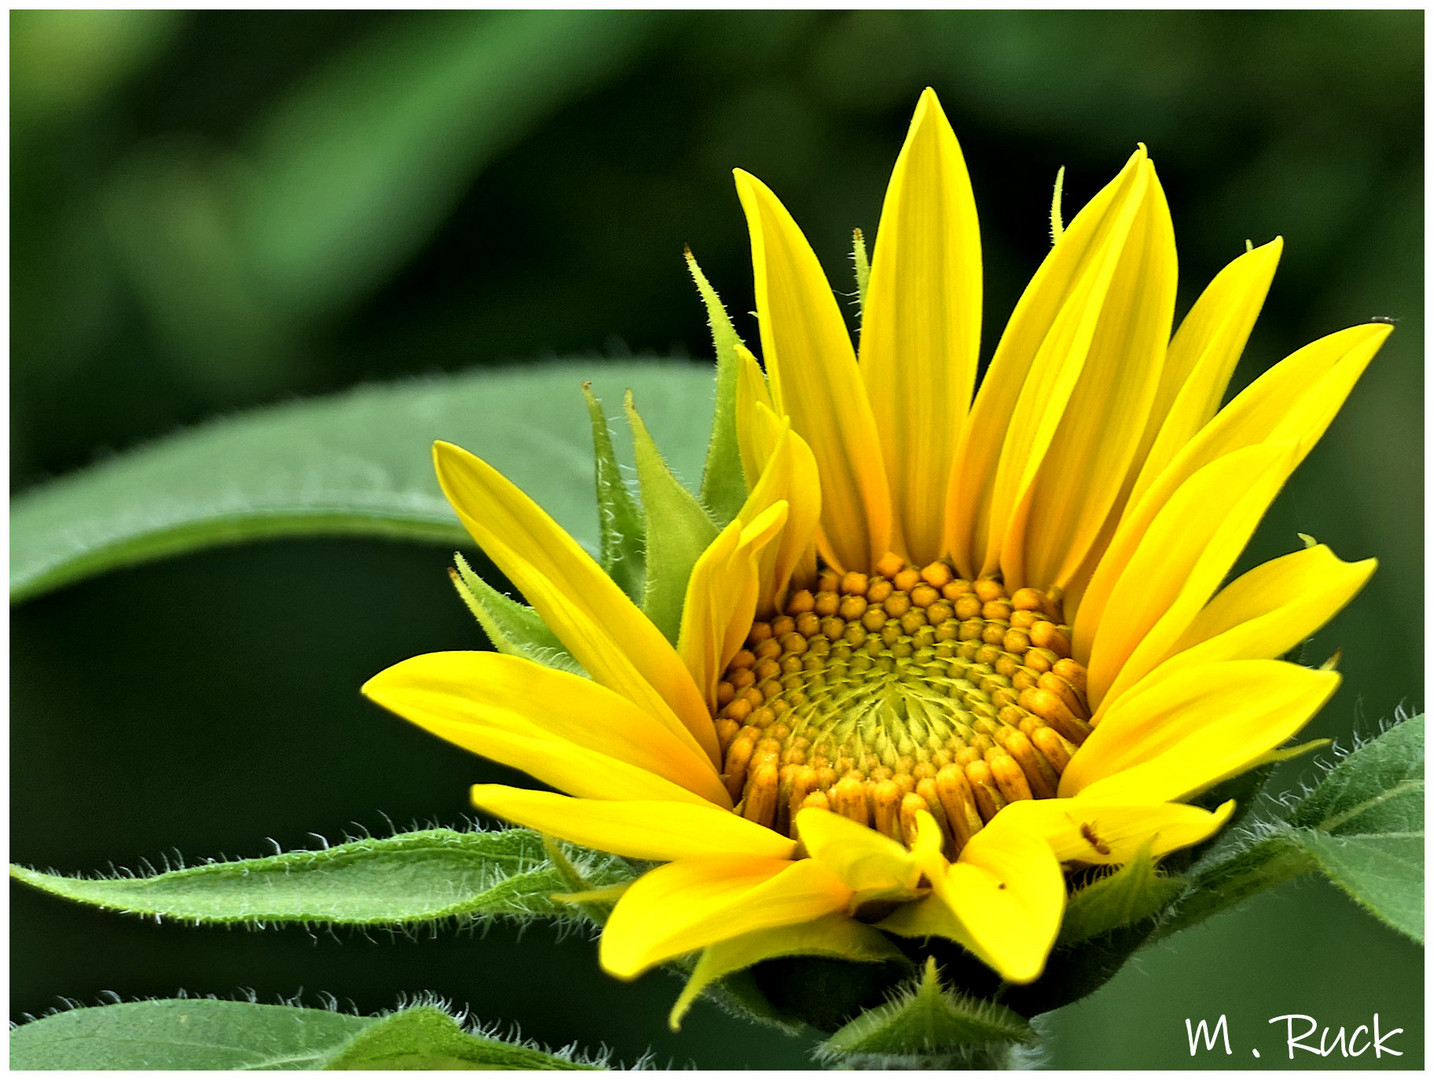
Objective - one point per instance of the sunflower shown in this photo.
(956, 641)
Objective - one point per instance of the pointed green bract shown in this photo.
(1135, 892)
(724, 488)
(513, 628)
(929, 1027)
(862, 266)
(413, 878)
(200, 1033)
(678, 530)
(620, 528)
(1057, 225)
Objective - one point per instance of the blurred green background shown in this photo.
(212, 211)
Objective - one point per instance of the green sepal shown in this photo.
(201, 1033)
(678, 530)
(833, 936)
(416, 878)
(513, 628)
(926, 1026)
(862, 265)
(1240, 872)
(1135, 892)
(620, 526)
(724, 488)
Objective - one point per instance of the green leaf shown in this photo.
(1135, 892)
(200, 1033)
(927, 1027)
(357, 463)
(1383, 873)
(413, 878)
(620, 526)
(1362, 827)
(1377, 788)
(724, 488)
(425, 1037)
(678, 530)
(513, 628)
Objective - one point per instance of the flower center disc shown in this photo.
(909, 689)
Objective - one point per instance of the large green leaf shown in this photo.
(412, 878)
(1362, 826)
(357, 463)
(200, 1033)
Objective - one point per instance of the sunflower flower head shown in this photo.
(929, 648)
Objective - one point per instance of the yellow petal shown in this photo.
(1182, 731)
(1203, 355)
(1092, 831)
(789, 472)
(565, 730)
(837, 936)
(1267, 612)
(1085, 473)
(872, 865)
(722, 595)
(1293, 403)
(634, 829)
(921, 325)
(603, 629)
(1003, 900)
(813, 377)
(1180, 561)
(751, 391)
(1034, 371)
(687, 905)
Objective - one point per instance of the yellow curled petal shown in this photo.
(813, 377)
(921, 325)
(753, 441)
(565, 730)
(690, 904)
(594, 619)
(634, 829)
(872, 865)
(722, 597)
(1265, 613)
(1002, 899)
(1182, 731)
(1093, 831)
(787, 472)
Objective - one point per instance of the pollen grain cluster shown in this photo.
(908, 689)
